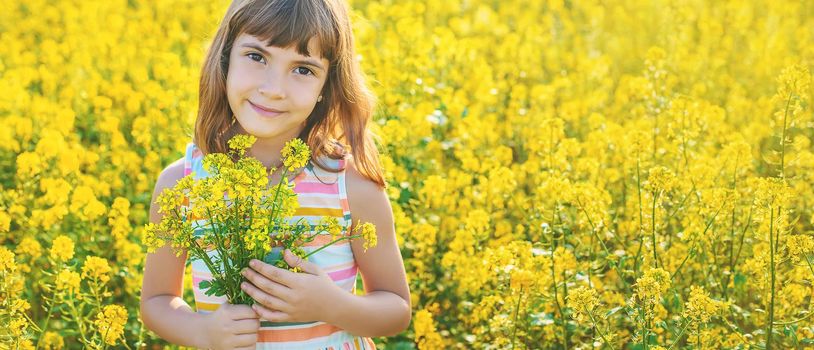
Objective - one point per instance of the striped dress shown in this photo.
(319, 193)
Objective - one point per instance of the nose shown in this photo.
(272, 86)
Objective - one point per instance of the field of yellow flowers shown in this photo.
(565, 174)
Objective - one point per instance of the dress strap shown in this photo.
(188, 158)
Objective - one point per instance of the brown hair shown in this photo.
(338, 122)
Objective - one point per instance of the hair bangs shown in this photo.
(290, 23)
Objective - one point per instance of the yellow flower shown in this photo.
(660, 179)
(29, 246)
(369, 235)
(792, 94)
(28, 164)
(19, 306)
(7, 260)
(582, 300)
(332, 226)
(151, 239)
(521, 278)
(52, 341)
(26, 344)
(700, 307)
(652, 285)
(295, 154)
(425, 334)
(62, 249)
(214, 163)
(5, 221)
(68, 281)
(240, 143)
(477, 221)
(17, 326)
(111, 323)
(85, 204)
(286, 197)
(170, 200)
(96, 268)
(799, 246)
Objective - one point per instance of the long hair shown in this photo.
(338, 126)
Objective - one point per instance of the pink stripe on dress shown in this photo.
(311, 187)
(343, 274)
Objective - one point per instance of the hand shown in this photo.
(285, 296)
(231, 327)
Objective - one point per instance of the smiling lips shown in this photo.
(266, 112)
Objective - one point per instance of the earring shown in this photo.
(319, 99)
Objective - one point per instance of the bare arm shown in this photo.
(162, 308)
(385, 309)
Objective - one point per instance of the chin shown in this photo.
(258, 131)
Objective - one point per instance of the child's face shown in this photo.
(280, 80)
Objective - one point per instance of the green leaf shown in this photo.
(204, 284)
(740, 279)
(612, 311)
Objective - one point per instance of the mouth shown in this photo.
(266, 112)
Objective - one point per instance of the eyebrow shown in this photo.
(313, 63)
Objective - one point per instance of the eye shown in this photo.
(252, 56)
(303, 70)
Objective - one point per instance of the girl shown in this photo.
(280, 69)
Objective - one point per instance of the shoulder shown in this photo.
(167, 179)
(357, 184)
(170, 175)
(365, 197)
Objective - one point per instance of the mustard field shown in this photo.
(564, 174)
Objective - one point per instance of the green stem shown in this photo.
(104, 343)
(809, 264)
(209, 264)
(554, 285)
(601, 242)
(770, 324)
(653, 231)
(277, 193)
(596, 325)
(45, 325)
(330, 244)
(517, 312)
(678, 337)
(783, 140)
(794, 321)
(643, 315)
(709, 224)
(222, 253)
(641, 215)
(77, 317)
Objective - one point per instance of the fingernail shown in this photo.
(253, 263)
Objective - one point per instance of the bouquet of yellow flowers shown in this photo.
(243, 217)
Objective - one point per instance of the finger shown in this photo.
(247, 326)
(263, 298)
(274, 273)
(247, 340)
(295, 261)
(271, 315)
(240, 312)
(265, 284)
